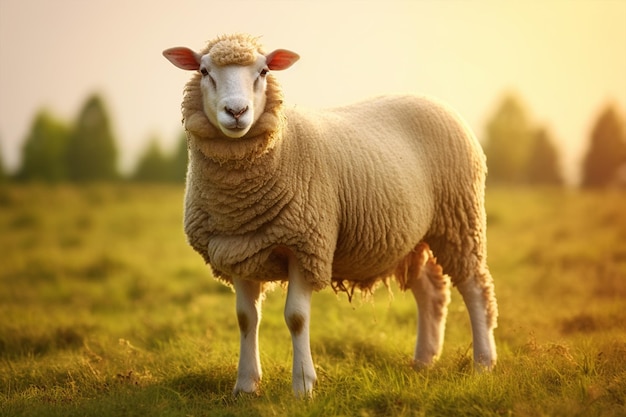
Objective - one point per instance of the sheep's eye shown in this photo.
(264, 72)
(205, 73)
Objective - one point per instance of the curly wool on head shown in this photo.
(237, 49)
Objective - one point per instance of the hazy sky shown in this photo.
(565, 59)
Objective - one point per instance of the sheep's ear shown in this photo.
(183, 58)
(281, 59)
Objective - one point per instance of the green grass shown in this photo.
(105, 310)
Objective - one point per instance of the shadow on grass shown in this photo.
(16, 343)
(215, 383)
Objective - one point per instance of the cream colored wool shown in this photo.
(353, 192)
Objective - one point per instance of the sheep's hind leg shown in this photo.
(297, 317)
(479, 297)
(249, 299)
(431, 290)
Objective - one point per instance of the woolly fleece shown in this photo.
(356, 193)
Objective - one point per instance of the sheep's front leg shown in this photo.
(249, 300)
(297, 316)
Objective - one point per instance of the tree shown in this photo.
(44, 149)
(508, 142)
(543, 166)
(91, 153)
(607, 150)
(153, 166)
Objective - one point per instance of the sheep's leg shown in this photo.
(249, 300)
(431, 290)
(297, 317)
(479, 297)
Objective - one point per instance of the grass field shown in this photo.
(105, 310)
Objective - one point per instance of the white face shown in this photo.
(233, 95)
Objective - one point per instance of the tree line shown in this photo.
(56, 151)
(518, 150)
(521, 152)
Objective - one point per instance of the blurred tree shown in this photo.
(153, 166)
(180, 159)
(91, 153)
(3, 174)
(44, 149)
(607, 150)
(508, 142)
(543, 166)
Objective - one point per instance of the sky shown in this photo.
(565, 59)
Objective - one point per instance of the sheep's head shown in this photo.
(232, 79)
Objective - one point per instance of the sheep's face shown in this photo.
(233, 95)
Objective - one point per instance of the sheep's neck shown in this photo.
(241, 198)
(240, 174)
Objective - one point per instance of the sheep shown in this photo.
(348, 197)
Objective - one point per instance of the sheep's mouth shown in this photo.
(235, 132)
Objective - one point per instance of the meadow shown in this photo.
(105, 310)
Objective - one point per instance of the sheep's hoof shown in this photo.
(303, 395)
(484, 366)
(419, 365)
(424, 361)
(237, 393)
(252, 390)
(303, 385)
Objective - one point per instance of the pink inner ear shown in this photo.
(281, 59)
(183, 58)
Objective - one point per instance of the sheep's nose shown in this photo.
(236, 113)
